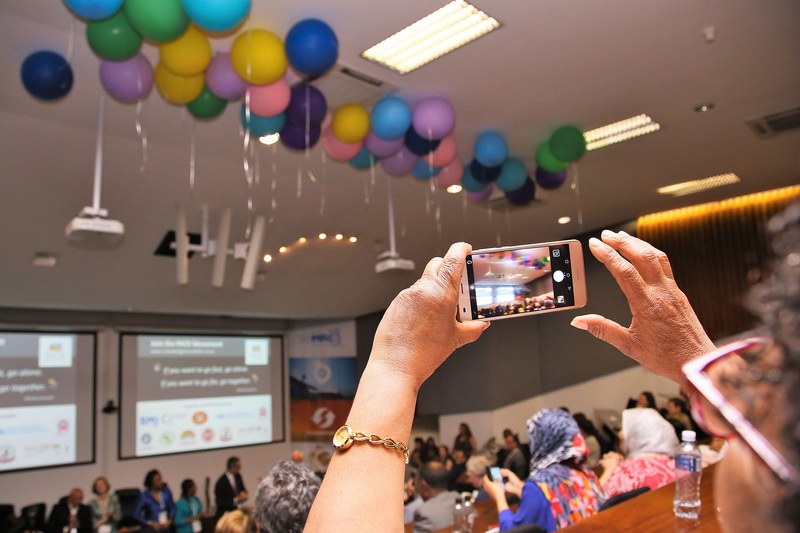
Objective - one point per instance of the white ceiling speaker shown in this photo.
(92, 225)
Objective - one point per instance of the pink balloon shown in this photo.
(444, 153)
(481, 195)
(450, 174)
(381, 147)
(337, 149)
(400, 163)
(270, 100)
(222, 80)
(433, 118)
(129, 80)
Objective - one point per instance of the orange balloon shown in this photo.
(187, 55)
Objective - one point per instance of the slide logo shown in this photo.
(208, 435)
(199, 418)
(332, 337)
(149, 420)
(323, 417)
(7, 454)
(188, 437)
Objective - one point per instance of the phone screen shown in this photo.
(520, 281)
(495, 475)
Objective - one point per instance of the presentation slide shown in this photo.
(47, 384)
(182, 393)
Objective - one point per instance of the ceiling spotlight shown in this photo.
(267, 258)
(339, 236)
(564, 220)
(270, 139)
(702, 108)
(353, 239)
(42, 259)
(322, 236)
(301, 240)
(453, 189)
(282, 249)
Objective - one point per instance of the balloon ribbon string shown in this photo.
(245, 162)
(577, 189)
(140, 133)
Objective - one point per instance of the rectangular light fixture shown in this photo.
(620, 131)
(691, 187)
(433, 36)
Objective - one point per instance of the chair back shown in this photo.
(625, 496)
(33, 515)
(128, 499)
(6, 517)
(527, 528)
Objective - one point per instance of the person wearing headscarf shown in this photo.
(560, 489)
(649, 443)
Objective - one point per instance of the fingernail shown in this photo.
(608, 233)
(594, 242)
(578, 323)
(486, 326)
(623, 233)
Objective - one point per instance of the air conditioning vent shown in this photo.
(776, 123)
(344, 85)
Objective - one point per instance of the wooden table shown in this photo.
(652, 512)
(486, 519)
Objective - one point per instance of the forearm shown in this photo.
(364, 484)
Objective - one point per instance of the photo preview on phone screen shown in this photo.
(523, 280)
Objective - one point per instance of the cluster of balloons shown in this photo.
(565, 145)
(492, 167)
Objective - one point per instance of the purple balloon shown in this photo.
(222, 80)
(434, 118)
(381, 147)
(306, 100)
(524, 195)
(481, 195)
(129, 80)
(550, 180)
(294, 136)
(400, 163)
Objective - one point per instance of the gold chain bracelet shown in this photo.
(345, 437)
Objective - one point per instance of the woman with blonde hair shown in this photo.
(236, 521)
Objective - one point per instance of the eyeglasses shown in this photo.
(724, 383)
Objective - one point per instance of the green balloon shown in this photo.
(158, 20)
(207, 105)
(113, 38)
(567, 143)
(548, 161)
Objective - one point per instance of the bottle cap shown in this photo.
(688, 436)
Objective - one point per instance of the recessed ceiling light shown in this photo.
(44, 260)
(564, 220)
(702, 108)
(620, 131)
(453, 189)
(282, 249)
(301, 240)
(267, 258)
(322, 236)
(433, 36)
(353, 239)
(691, 187)
(270, 139)
(339, 237)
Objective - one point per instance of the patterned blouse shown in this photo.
(652, 471)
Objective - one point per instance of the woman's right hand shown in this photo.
(514, 484)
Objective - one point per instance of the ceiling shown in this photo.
(553, 62)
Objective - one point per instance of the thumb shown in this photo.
(604, 329)
(470, 330)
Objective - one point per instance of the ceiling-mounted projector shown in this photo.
(92, 227)
(391, 261)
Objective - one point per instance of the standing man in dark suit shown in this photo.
(229, 491)
(70, 515)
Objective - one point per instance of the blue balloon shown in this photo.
(364, 159)
(260, 126)
(512, 175)
(391, 118)
(46, 75)
(469, 183)
(216, 15)
(491, 149)
(524, 195)
(419, 145)
(94, 9)
(311, 47)
(484, 174)
(422, 170)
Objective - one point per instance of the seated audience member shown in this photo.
(413, 500)
(677, 412)
(560, 489)
(457, 475)
(106, 510)
(648, 442)
(589, 434)
(445, 458)
(515, 459)
(155, 509)
(756, 487)
(70, 515)
(284, 498)
(188, 509)
(436, 510)
(236, 521)
(431, 450)
(646, 399)
(476, 471)
(502, 452)
(229, 491)
(465, 440)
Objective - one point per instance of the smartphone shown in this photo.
(522, 280)
(494, 474)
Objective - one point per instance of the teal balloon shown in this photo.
(158, 20)
(512, 175)
(469, 183)
(364, 159)
(491, 149)
(548, 161)
(260, 126)
(567, 143)
(423, 171)
(207, 105)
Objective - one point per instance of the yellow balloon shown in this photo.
(259, 57)
(350, 123)
(178, 89)
(187, 55)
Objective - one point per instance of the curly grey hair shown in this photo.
(284, 498)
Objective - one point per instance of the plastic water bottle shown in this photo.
(469, 516)
(458, 514)
(688, 470)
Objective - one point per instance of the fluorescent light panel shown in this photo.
(691, 187)
(433, 36)
(620, 131)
